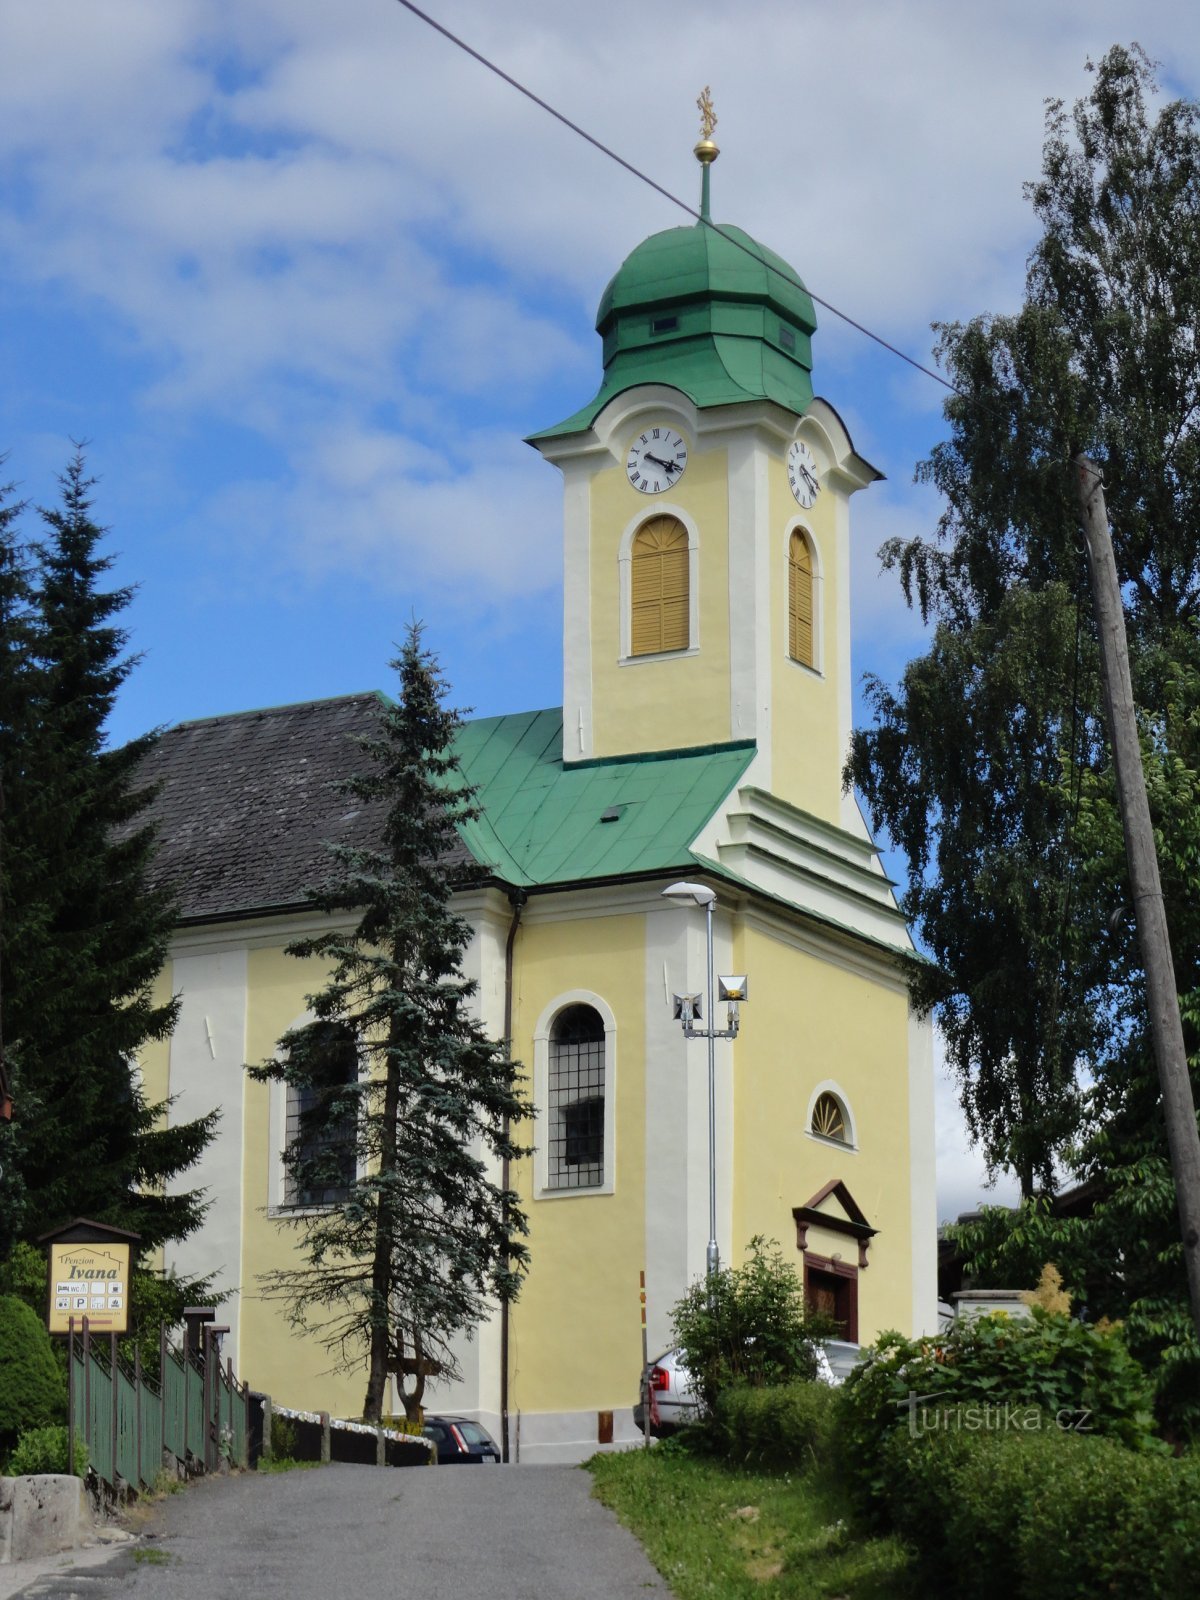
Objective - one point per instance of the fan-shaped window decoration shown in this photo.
(659, 599)
(800, 601)
(828, 1119)
(576, 1099)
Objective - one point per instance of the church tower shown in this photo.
(707, 521)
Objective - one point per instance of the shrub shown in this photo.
(787, 1427)
(1044, 1515)
(748, 1325)
(1045, 1363)
(45, 1450)
(33, 1389)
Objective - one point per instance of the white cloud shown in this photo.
(961, 1176)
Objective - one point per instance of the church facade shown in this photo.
(705, 717)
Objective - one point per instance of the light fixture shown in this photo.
(687, 1010)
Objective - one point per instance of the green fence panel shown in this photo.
(175, 1411)
(197, 1428)
(151, 1430)
(127, 1428)
(98, 1428)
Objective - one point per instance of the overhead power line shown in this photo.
(644, 177)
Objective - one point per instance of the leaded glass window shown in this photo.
(576, 1089)
(322, 1153)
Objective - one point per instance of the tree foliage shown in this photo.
(84, 933)
(974, 764)
(406, 1243)
(988, 764)
(33, 1390)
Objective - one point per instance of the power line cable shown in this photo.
(643, 177)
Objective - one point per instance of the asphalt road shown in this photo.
(356, 1533)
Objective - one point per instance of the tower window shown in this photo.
(664, 324)
(659, 598)
(576, 1087)
(801, 639)
(786, 337)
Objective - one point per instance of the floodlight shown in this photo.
(687, 1008)
(735, 988)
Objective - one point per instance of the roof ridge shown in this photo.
(289, 705)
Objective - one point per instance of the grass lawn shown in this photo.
(716, 1530)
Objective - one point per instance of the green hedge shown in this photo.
(989, 1368)
(33, 1389)
(1044, 1515)
(788, 1427)
(45, 1450)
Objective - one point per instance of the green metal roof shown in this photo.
(707, 310)
(541, 820)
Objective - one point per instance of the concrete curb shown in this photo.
(42, 1515)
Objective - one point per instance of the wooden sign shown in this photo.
(92, 1281)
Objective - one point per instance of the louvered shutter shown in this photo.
(659, 588)
(800, 601)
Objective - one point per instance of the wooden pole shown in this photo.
(71, 1394)
(1179, 1109)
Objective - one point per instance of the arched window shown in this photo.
(575, 1098)
(801, 636)
(829, 1119)
(659, 598)
(321, 1157)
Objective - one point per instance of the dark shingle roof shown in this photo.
(248, 804)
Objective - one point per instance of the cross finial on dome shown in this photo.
(706, 151)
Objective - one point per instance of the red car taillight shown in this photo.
(660, 1378)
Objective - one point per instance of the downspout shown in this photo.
(517, 898)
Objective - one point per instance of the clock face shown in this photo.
(656, 460)
(802, 474)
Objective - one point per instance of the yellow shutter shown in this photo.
(659, 597)
(800, 601)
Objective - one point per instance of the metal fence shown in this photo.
(195, 1415)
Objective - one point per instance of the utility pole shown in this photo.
(1179, 1109)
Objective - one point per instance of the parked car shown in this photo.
(460, 1441)
(674, 1401)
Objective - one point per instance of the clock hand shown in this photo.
(809, 479)
(667, 466)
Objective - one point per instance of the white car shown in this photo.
(674, 1402)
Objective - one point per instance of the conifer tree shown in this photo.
(407, 1106)
(86, 934)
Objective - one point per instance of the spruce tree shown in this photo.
(408, 1107)
(87, 934)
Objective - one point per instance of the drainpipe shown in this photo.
(517, 898)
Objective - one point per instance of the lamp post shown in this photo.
(688, 1011)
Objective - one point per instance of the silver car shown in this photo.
(673, 1402)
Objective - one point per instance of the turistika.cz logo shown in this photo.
(924, 1416)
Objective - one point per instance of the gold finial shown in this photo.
(706, 151)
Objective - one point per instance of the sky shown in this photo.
(303, 276)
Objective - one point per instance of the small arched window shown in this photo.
(829, 1119)
(801, 637)
(659, 579)
(576, 1088)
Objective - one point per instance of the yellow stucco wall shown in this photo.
(806, 757)
(812, 1021)
(575, 1333)
(661, 703)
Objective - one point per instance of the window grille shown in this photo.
(659, 588)
(800, 601)
(576, 1100)
(322, 1153)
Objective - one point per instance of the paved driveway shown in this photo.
(357, 1533)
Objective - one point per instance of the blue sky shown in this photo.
(304, 276)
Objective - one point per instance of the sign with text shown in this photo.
(92, 1281)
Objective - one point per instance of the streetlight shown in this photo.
(688, 1011)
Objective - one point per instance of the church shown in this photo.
(705, 717)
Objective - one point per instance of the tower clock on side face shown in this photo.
(802, 474)
(657, 459)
